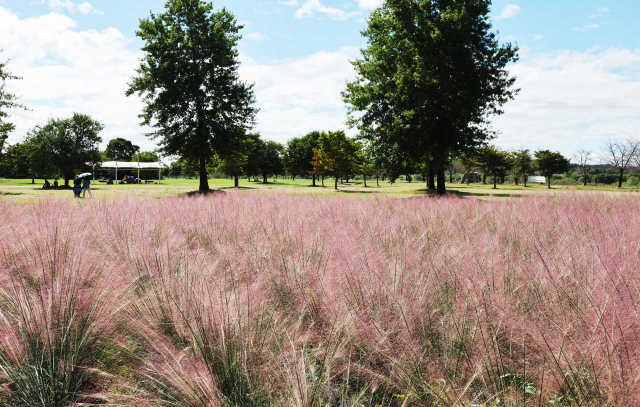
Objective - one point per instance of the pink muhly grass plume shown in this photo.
(282, 300)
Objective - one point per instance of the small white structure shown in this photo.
(536, 180)
(123, 165)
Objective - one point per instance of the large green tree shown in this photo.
(494, 161)
(431, 75)
(270, 162)
(522, 165)
(121, 149)
(65, 146)
(8, 100)
(549, 163)
(340, 154)
(299, 153)
(190, 84)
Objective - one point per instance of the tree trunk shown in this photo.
(495, 181)
(585, 180)
(336, 178)
(33, 178)
(314, 180)
(364, 177)
(377, 180)
(450, 177)
(236, 181)
(484, 178)
(549, 183)
(347, 180)
(620, 179)
(264, 178)
(516, 179)
(66, 180)
(204, 181)
(293, 177)
(323, 181)
(441, 177)
(525, 180)
(430, 181)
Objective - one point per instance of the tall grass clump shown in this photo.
(55, 317)
(296, 300)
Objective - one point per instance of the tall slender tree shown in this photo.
(189, 81)
(8, 100)
(522, 165)
(432, 74)
(582, 159)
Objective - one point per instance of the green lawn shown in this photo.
(24, 188)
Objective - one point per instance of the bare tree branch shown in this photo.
(619, 154)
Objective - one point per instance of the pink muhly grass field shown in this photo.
(282, 300)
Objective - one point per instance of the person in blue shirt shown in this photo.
(86, 186)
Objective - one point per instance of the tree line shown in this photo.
(430, 78)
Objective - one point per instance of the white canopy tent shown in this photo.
(123, 165)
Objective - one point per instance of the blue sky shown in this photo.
(579, 69)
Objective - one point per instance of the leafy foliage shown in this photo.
(494, 161)
(299, 154)
(523, 164)
(189, 82)
(120, 149)
(7, 101)
(549, 163)
(431, 75)
(340, 154)
(65, 146)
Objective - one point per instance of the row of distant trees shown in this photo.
(63, 147)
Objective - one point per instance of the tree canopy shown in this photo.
(522, 165)
(299, 153)
(65, 146)
(270, 162)
(494, 161)
(189, 82)
(120, 149)
(340, 154)
(430, 77)
(8, 100)
(549, 163)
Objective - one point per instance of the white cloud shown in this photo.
(571, 100)
(370, 4)
(587, 27)
(595, 16)
(299, 96)
(537, 37)
(311, 7)
(289, 3)
(509, 11)
(66, 71)
(603, 9)
(84, 8)
(256, 36)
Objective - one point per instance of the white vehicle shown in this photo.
(536, 180)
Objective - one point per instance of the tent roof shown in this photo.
(130, 165)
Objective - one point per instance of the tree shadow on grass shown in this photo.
(11, 193)
(211, 192)
(238, 188)
(350, 191)
(464, 194)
